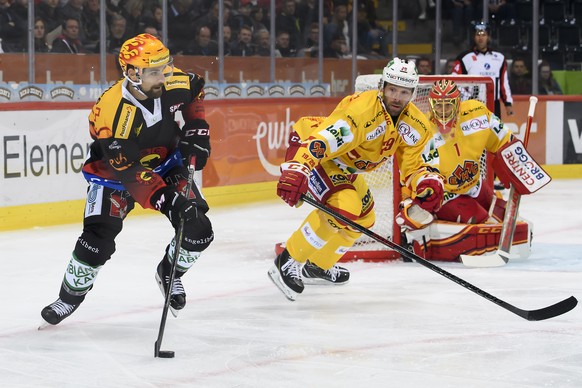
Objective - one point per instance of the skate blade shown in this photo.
(276, 279)
(321, 282)
(44, 325)
(161, 285)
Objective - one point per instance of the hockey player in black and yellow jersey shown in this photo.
(137, 156)
(326, 157)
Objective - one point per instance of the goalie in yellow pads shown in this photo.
(325, 156)
(469, 221)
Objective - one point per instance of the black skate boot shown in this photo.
(312, 274)
(286, 274)
(178, 295)
(55, 312)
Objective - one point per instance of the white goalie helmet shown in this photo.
(400, 72)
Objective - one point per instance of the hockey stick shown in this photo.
(502, 255)
(179, 236)
(531, 315)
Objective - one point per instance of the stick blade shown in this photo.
(551, 311)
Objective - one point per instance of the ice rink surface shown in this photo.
(394, 325)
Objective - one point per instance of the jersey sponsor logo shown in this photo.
(337, 134)
(380, 130)
(150, 161)
(338, 179)
(125, 122)
(94, 200)
(366, 165)
(145, 178)
(430, 155)
(369, 123)
(175, 107)
(317, 149)
(317, 186)
(118, 201)
(178, 82)
(524, 167)
(367, 201)
(469, 111)
(408, 134)
(313, 239)
(463, 174)
(119, 162)
(475, 124)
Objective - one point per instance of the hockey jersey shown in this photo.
(458, 157)
(489, 64)
(359, 135)
(135, 144)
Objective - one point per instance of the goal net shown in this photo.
(384, 181)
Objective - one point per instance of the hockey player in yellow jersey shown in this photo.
(326, 156)
(464, 133)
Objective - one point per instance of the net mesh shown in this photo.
(383, 181)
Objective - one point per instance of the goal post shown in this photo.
(384, 181)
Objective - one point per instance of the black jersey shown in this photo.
(136, 141)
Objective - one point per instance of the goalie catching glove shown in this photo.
(195, 140)
(293, 182)
(174, 205)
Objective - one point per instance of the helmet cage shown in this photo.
(444, 99)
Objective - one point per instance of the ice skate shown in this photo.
(286, 274)
(55, 312)
(178, 295)
(314, 275)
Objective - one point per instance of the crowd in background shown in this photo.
(72, 26)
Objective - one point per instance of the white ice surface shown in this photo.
(394, 325)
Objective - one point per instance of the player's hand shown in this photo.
(429, 193)
(293, 182)
(175, 206)
(195, 140)
(412, 217)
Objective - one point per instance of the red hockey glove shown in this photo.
(429, 193)
(293, 182)
(412, 217)
(174, 205)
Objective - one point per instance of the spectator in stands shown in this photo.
(40, 44)
(288, 22)
(547, 83)
(311, 43)
(307, 13)
(338, 47)
(481, 60)
(424, 5)
(259, 21)
(227, 35)
(154, 18)
(262, 39)
(371, 38)
(148, 29)
(242, 17)
(210, 20)
(424, 66)
(519, 77)
(133, 13)
(181, 28)
(337, 25)
(90, 24)
(501, 10)
(283, 45)
(203, 45)
(49, 11)
(244, 46)
(13, 28)
(462, 14)
(73, 9)
(68, 41)
(449, 65)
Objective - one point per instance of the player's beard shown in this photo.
(155, 91)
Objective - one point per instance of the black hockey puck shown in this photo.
(166, 354)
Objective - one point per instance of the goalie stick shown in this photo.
(179, 235)
(502, 255)
(531, 315)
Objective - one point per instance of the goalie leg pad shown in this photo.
(446, 241)
(514, 165)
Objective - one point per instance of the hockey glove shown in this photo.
(293, 182)
(429, 193)
(412, 217)
(195, 140)
(174, 205)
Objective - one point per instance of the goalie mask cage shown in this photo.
(384, 181)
